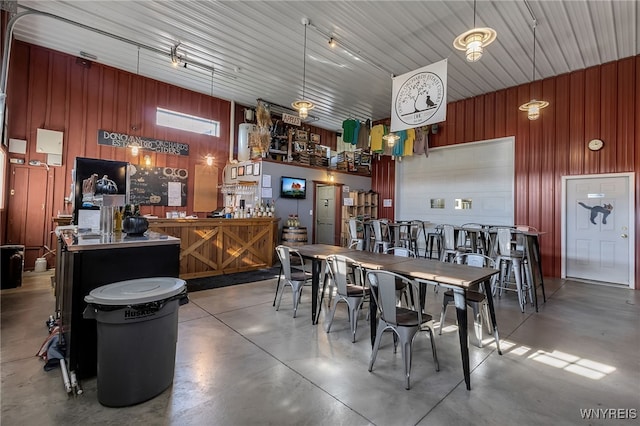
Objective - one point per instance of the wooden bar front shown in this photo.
(221, 246)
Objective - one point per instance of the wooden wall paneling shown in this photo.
(560, 131)
(608, 117)
(460, 122)
(58, 93)
(37, 92)
(122, 112)
(383, 182)
(548, 207)
(92, 118)
(576, 122)
(626, 109)
(511, 113)
(17, 110)
(536, 154)
(489, 122)
(523, 154)
(500, 116)
(446, 131)
(592, 116)
(469, 120)
(478, 118)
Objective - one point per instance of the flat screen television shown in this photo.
(291, 187)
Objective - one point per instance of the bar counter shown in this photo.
(221, 246)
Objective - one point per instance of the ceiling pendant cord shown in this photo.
(533, 107)
(474, 13)
(533, 76)
(304, 62)
(303, 105)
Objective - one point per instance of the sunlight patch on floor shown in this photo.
(584, 367)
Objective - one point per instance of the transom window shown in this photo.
(189, 123)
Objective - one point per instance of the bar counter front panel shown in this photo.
(221, 246)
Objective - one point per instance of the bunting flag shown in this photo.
(419, 97)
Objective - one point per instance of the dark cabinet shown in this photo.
(84, 270)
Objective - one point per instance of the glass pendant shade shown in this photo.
(474, 47)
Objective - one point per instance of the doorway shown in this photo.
(598, 232)
(325, 214)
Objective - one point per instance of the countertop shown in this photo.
(94, 241)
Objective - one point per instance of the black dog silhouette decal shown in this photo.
(605, 209)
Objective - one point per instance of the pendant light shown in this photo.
(391, 139)
(534, 106)
(303, 105)
(475, 40)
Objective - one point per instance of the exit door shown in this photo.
(325, 214)
(599, 228)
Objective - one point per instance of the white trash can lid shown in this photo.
(134, 292)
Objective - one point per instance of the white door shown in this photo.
(599, 228)
(325, 214)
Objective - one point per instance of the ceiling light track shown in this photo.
(206, 67)
(352, 50)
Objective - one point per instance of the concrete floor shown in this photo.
(239, 362)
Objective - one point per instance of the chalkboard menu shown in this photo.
(157, 186)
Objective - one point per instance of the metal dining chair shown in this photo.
(404, 322)
(477, 300)
(450, 247)
(296, 279)
(356, 234)
(401, 287)
(474, 238)
(434, 242)
(347, 276)
(380, 236)
(509, 259)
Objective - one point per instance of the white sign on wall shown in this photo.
(419, 97)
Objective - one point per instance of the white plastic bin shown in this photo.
(137, 324)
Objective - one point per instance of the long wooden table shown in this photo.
(460, 278)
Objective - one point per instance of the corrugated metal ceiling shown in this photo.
(256, 47)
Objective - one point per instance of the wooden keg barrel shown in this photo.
(294, 236)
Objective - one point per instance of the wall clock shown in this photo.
(595, 144)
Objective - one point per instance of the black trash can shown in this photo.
(137, 324)
(11, 266)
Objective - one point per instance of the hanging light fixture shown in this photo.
(303, 105)
(391, 139)
(173, 54)
(475, 40)
(534, 106)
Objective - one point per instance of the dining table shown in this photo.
(459, 278)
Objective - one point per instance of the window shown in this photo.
(189, 123)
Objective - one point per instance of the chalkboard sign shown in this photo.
(157, 186)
